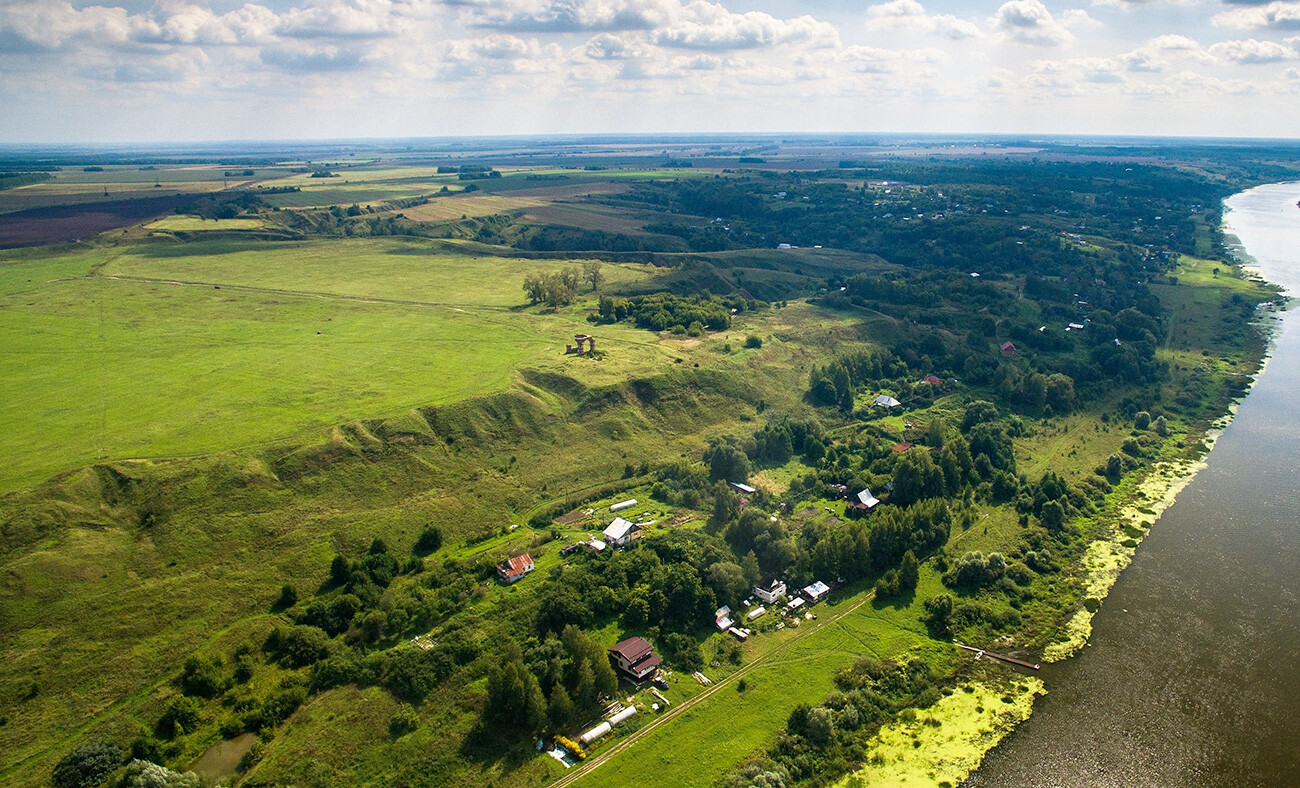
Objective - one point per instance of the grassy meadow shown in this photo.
(166, 350)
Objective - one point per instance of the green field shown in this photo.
(147, 357)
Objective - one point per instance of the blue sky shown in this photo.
(133, 71)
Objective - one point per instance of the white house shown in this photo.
(885, 401)
(769, 590)
(621, 532)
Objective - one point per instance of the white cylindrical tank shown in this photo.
(595, 733)
(622, 715)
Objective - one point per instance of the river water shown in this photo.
(1192, 675)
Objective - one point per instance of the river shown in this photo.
(1192, 675)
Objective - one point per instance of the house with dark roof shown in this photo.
(769, 589)
(635, 658)
(512, 570)
(1008, 349)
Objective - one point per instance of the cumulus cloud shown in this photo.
(608, 46)
(1259, 16)
(1154, 55)
(911, 15)
(1029, 22)
(709, 26)
(311, 58)
(1253, 52)
(568, 16)
(698, 24)
(873, 60)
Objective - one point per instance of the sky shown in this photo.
(113, 71)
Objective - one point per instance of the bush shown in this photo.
(753, 341)
(181, 717)
(403, 722)
(143, 774)
(88, 765)
(430, 541)
(202, 677)
(304, 645)
(288, 596)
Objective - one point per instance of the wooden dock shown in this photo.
(979, 652)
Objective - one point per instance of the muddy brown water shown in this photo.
(1192, 675)
(222, 758)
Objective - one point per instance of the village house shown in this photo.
(885, 401)
(722, 619)
(621, 533)
(769, 590)
(864, 501)
(1008, 349)
(744, 489)
(816, 592)
(635, 658)
(513, 569)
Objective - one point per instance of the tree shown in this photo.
(978, 412)
(1053, 516)
(821, 726)
(916, 478)
(535, 288)
(727, 580)
(340, 570)
(560, 708)
(181, 717)
(288, 596)
(749, 565)
(727, 462)
(144, 774)
(909, 572)
(591, 272)
(202, 677)
(88, 765)
(430, 541)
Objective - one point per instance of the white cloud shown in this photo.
(710, 26)
(911, 15)
(873, 60)
(1029, 22)
(1276, 15)
(607, 46)
(1253, 52)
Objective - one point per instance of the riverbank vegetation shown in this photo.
(267, 490)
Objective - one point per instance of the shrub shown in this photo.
(181, 717)
(753, 341)
(403, 722)
(288, 596)
(430, 541)
(88, 765)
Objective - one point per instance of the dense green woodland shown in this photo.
(1095, 244)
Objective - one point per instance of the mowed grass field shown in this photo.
(95, 368)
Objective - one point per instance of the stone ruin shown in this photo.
(581, 339)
